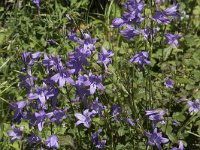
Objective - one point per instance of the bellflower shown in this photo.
(129, 120)
(37, 3)
(172, 39)
(62, 77)
(73, 37)
(104, 57)
(141, 59)
(194, 106)
(130, 32)
(116, 110)
(95, 140)
(40, 116)
(181, 147)
(58, 115)
(52, 141)
(97, 107)
(156, 139)
(42, 94)
(95, 82)
(84, 118)
(169, 83)
(33, 138)
(156, 116)
(17, 107)
(16, 133)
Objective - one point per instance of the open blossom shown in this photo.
(194, 106)
(104, 57)
(141, 59)
(52, 141)
(172, 39)
(156, 116)
(169, 83)
(85, 118)
(57, 116)
(132, 15)
(97, 107)
(156, 139)
(16, 133)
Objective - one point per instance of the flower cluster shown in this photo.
(41, 106)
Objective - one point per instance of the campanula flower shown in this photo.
(33, 138)
(194, 106)
(172, 39)
(37, 3)
(97, 107)
(169, 83)
(57, 116)
(130, 121)
(17, 107)
(116, 111)
(16, 133)
(141, 59)
(84, 118)
(52, 141)
(181, 147)
(156, 139)
(96, 142)
(156, 116)
(104, 57)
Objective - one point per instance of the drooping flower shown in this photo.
(155, 139)
(84, 118)
(130, 32)
(52, 141)
(141, 59)
(16, 133)
(169, 83)
(40, 116)
(172, 39)
(194, 106)
(104, 57)
(181, 146)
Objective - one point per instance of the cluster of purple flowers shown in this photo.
(41, 105)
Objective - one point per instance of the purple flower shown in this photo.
(37, 3)
(156, 138)
(159, 2)
(169, 83)
(52, 141)
(95, 140)
(194, 106)
(33, 138)
(172, 11)
(40, 119)
(130, 32)
(129, 120)
(156, 116)
(57, 116)
(16, 133)
(73, 37)
(141, 59)
(181, 147)
(84, 119)
(172, 39)
(62, 77)
(17, 107)
(118, 22)
(104, 57)
(97, 107)
(116, 111)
